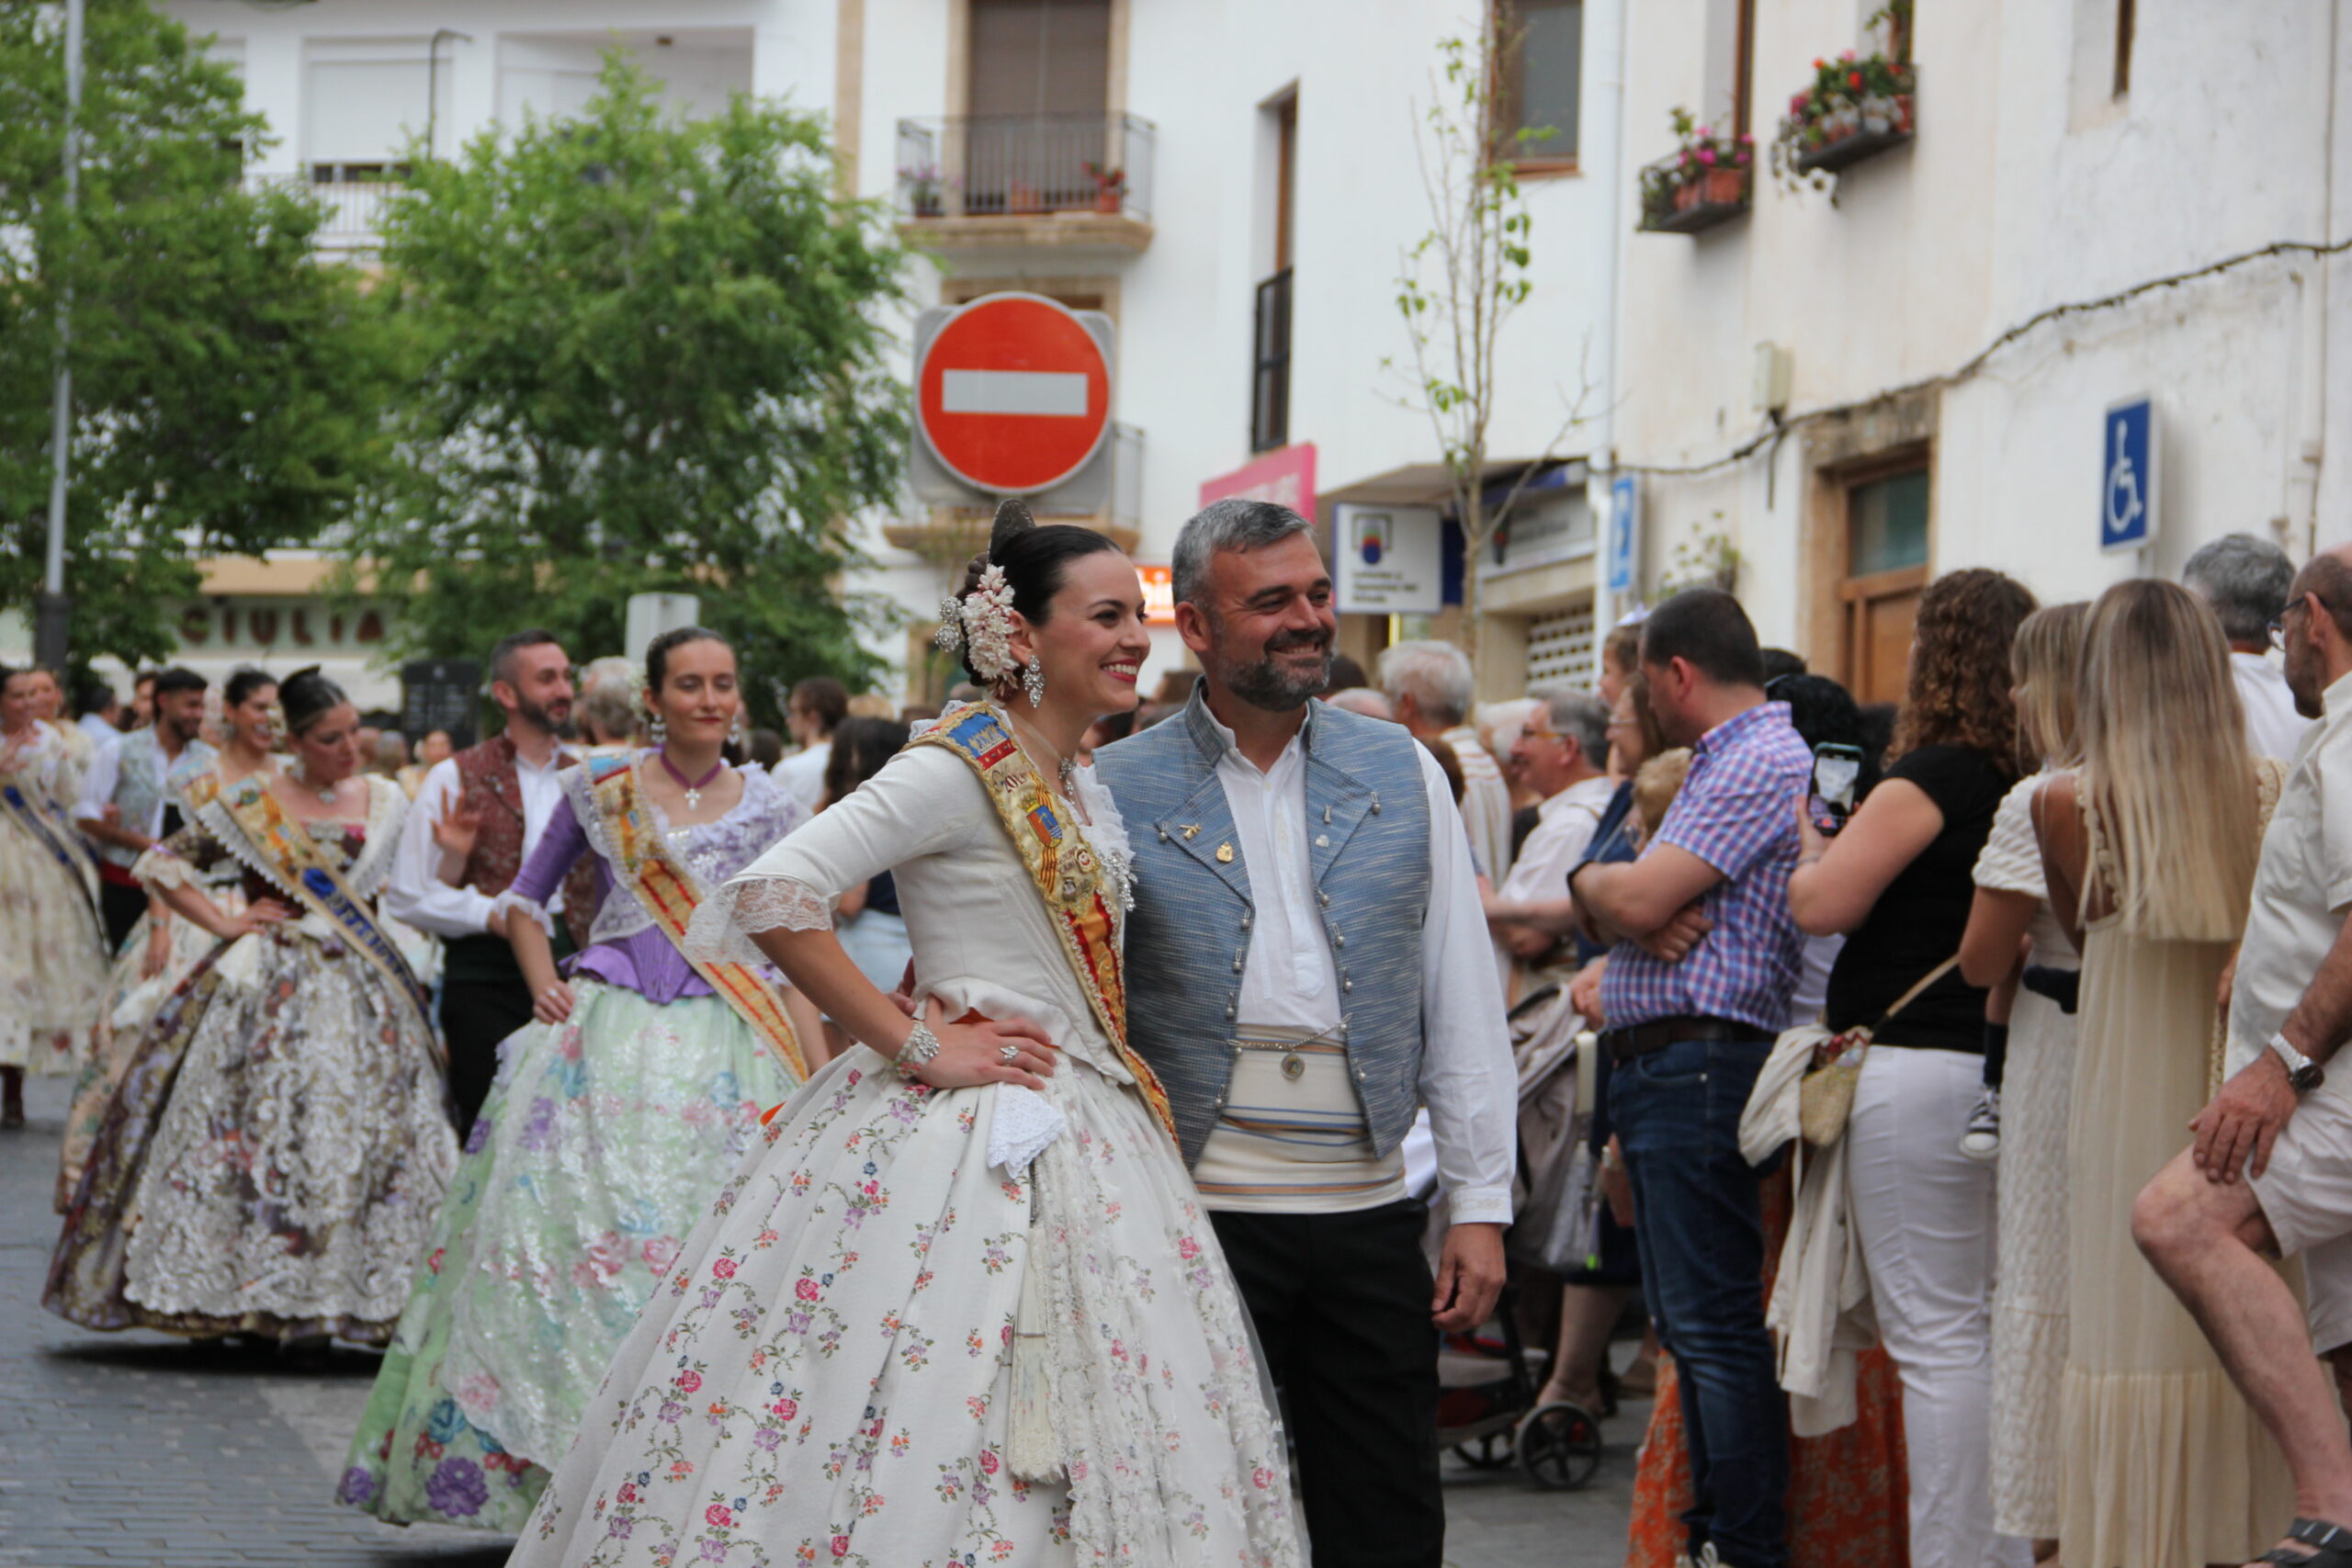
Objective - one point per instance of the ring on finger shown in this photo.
(1008, 1054)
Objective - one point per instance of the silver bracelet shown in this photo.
(921, 1047)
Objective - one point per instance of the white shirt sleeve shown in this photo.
(1469, 1079)
(98, 783)
(416, 896)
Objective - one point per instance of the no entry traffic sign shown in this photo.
(1013, 394)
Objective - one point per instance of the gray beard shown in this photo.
(1262, 684)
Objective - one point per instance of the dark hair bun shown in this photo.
(1012, 519)
(305, 696)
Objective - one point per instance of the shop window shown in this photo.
(1885, 571)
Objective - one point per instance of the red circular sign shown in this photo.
(1013, 395)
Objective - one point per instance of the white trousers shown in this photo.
(1924, 1212)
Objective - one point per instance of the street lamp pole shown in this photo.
(50, 614)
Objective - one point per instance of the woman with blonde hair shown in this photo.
(2029, 1056)
(2149, 848)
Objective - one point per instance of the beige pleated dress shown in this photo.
(2165, 1466)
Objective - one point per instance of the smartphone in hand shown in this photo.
(1837, 768)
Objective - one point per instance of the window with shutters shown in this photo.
(1538, 81)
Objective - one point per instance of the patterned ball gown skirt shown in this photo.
(52, 961)
(828, 1375)
(599, 1148)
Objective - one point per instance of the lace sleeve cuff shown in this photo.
(511, 902)
(722, 925)
(161, 868)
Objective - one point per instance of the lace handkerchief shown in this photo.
(1023, 1125)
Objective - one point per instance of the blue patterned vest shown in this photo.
(1188, 938)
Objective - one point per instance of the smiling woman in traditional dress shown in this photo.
(279, 1133)
(963, 1305)
(52, 964)
(615, 1118)
(163, 948)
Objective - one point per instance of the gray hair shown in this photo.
(608, 697)
(2246, 582)
(1579, 715)
(1362, 700)
(1230, 525)
(1436, 675)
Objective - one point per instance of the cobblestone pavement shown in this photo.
(138, 1448)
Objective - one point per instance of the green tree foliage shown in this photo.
(653, 360)
(227, 387)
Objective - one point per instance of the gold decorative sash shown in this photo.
(1069, 877)
(669, 896)
(288, 854)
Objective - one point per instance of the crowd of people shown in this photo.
(1067, 1127)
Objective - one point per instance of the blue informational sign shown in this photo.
(1624, 533)
(2127, 463)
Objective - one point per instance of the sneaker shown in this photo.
(1982, 1141)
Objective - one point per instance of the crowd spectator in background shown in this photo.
(1102, 732)
(142, 699)
(814, 711)
(1899, 880)
(98, 711)
(126, 804)
(765, 747)
(434, 749)
(2028, 1043)
(1431, 688)
(609, 712)
(390, 755)
(1779, 663)
(1347, 675)
(1689, 1022)
(2244, 581)
(867, 918)
(2149, 850)
(1823, 713)
(1562, 751)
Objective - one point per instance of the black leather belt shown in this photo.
(1641, 1039)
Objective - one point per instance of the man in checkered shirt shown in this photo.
(1697, 986)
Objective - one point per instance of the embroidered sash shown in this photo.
(284, 851)
(1069, 877)
(669, 895)
(27, 807)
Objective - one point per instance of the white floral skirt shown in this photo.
(52, 961)
(826, 1376)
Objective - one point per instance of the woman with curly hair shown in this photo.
(1898, 882)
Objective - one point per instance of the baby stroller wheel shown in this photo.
(1491, 1451)
(1559, 1445)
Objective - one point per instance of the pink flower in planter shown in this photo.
(1707, 155)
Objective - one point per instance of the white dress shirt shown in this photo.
(416, 896)
(802, 774)
(98, 729)
(2302, 886)
(1563, 830)
(104, 778)
(2272, 725)
(1469, 1079)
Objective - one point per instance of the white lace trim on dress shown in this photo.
(723, 924)
(1024, 1123)
(159, 867)
(511, 902)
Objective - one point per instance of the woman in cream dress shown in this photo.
(2150, 852)
(53, 952)
(963, 1305)
(164, 950)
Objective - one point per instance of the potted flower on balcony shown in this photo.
(922, 185)
(1850, 95)
(1714, 168)
(1110, 187)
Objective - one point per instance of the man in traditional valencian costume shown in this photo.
(131, 776)
(503, 792)
(1307, 965)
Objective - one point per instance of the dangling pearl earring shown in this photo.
(660, 731)
(735, 730)
(1033, 680)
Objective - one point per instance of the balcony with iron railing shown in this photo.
(1000, 182)
(352, 227)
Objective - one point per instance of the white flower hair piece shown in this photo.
(987, 614)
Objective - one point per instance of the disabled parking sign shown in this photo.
(2128, 476)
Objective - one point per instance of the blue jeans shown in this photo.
(1699, 1220)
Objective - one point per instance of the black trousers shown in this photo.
(121, 906)
(483, 999)
(1341, 1306)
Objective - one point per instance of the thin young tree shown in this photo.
(1459, 283)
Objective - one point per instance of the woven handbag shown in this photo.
(1826, 1097)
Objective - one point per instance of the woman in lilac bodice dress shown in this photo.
(616, 1116)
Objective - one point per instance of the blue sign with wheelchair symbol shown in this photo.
(2128, 476)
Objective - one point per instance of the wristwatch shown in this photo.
(2303, 1073)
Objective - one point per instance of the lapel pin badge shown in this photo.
(1225, 854)
(1190, 829)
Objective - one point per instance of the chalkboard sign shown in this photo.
(440, 694)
